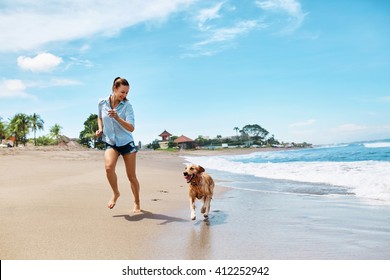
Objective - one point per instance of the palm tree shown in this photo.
(36, 123)
(237, 130)
(88, 135)
(19, 126)
(55, 131)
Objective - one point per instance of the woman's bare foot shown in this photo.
(113, 200)
(137, 207)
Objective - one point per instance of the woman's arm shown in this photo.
(124, 123)
(99, 132)
(128, 117)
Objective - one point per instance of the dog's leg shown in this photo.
(203, 209)
(192, 208)
(206, 206)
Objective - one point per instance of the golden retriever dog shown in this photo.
(201, 186)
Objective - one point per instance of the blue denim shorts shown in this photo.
(123, 150)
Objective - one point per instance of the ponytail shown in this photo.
(118, 81)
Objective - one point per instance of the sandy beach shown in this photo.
(53, 205)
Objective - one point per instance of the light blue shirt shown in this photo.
(113, 132)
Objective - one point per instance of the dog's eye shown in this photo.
(191, 168)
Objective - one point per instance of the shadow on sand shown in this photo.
(151, 216)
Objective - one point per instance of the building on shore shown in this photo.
(184, 142)
(165, 136)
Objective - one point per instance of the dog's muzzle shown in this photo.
(188, 177)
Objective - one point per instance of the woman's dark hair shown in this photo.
(118, 81)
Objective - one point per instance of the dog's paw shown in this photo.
(205, 216)
(193, 218)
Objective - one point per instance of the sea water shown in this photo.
(360, 169)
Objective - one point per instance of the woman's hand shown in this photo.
(112, 114)
(99, 133)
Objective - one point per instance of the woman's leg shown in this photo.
(110, 159)
(130, 163)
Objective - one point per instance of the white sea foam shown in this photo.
(331, 146)
(377, 145)
(367, 179)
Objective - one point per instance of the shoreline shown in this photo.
(53, 205)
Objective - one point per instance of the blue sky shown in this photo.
(314, 71)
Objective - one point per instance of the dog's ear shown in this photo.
(200, 168)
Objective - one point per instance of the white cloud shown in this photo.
(13, 89)
(44, 62)
(229, 33)
(73, 61)
(218, 38)
(303, 123)
(208, 14)
(28, 25)
(58, 82)
(290, 7)
(219, 25)
(14, 85)
(85, 48)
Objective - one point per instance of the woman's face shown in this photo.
(121, 92)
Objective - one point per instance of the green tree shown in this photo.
(200, 141)
(272, 141)
(19, 126)
(2, 130)
(88, 135)
(36, 124)
(55, 132)
(236, 129)
(256, 132)
(171, 143)
(45, 141)
(218, 140)
(244, 137)
(154, 145)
